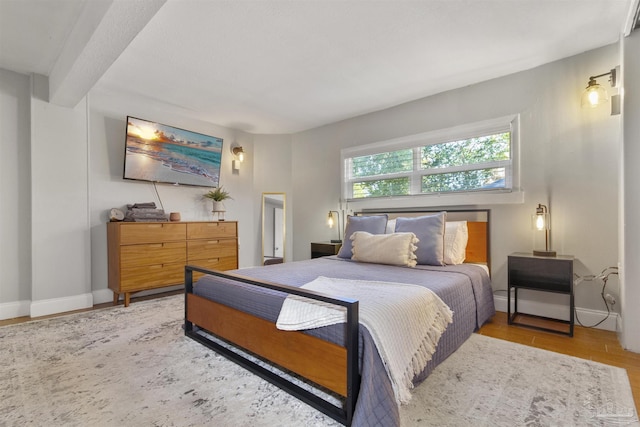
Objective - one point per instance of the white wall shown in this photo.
(60, 251)
(569, 162)
(44, 192)
(15, 195)
(272, 174)
(630, 229)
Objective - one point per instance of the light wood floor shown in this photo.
(593, 344)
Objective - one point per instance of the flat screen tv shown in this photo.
(161, 153)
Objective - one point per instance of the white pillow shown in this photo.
(392, 249)
(456, 236)
(391, 226)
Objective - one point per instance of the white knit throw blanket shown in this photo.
(406, 322)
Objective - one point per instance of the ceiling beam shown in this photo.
(103, 31)
(633, 18)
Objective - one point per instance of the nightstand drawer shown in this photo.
(541, 273)
(320, 249)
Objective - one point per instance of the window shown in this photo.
(479, 157)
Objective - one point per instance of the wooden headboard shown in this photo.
(478, 222)
(478, 244)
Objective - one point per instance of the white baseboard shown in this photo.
(103, 295)
(11, 310)
(60, 305)
(557, 311)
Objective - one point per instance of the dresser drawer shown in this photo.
(203, 249)
(151, 233)
(150, 276)
(211, 230)
(153, 253)
(222, 263)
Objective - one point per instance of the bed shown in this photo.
(336, 368)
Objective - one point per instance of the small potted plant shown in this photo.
(218, 195)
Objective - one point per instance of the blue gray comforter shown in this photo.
(465, 288)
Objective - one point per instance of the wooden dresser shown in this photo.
(149, 255)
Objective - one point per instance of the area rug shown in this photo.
(134, 367)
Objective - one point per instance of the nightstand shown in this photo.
(544, 274)
(320, 249)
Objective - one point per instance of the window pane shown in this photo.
(468, 151)
(465, 180)
(382, 164)
(381, 187)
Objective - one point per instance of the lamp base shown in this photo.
(544, 253)
(336, 241)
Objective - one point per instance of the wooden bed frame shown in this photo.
(324, 363)
(330, 366)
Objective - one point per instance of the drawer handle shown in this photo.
(214, 242)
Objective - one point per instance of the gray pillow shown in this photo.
(374, 224)
(429, 230)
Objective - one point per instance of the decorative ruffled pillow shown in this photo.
(392, 249)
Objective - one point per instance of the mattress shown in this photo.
(465, 288)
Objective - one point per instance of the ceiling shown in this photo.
(285, 66)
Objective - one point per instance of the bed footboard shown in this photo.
(326, 364)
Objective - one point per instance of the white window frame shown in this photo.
(512, 193)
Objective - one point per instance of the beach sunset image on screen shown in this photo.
(161, 153)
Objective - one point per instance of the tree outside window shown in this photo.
(472, 164)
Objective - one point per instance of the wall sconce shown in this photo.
(540, 221)
(595, 94)
(238, 153)
(330, 223)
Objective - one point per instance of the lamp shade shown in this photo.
(238, 152)
(540, 221)
(594, 95)
(330, 223)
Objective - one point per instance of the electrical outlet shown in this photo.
(610, 299)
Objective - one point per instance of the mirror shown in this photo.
(273, 228)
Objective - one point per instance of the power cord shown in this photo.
(158, 195)
(604, 276)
